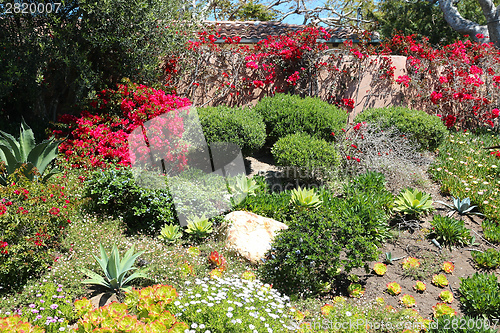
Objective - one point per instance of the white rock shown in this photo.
(251, 235)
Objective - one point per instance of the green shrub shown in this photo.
(244, 127)
(33, 218)
(342, 234)
(288, 114)
(491, 230)
(449, 231)
(274, 205)
(481, 295)
(300, 150)
(429, 131)
(114, 192)
(465, 324)
(489, 259)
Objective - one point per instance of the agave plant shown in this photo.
(304, 198)
(413, 202)
(463, 207)
(115, 269)
(244, 185)
(170, 233)
(199, 227)
(24, 152)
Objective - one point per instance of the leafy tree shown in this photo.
(484, 28)
(422, 18)
(52, 61)
(241, 11)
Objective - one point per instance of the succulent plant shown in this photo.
(217, 260)
(27, 154)
(304, 198)
(326, 309)
(413, 202)
(248, 276)
(244, 185)
(170, 233)
(356, 290)
(446, 296)
(440, 280)
(199, 227)
(393, 288)
(380, 268)
(115, 269)
(442, 309)
(462, 207)
(448, 267)
(420, 286)
(194, 251)
(407, 300)
(410, 262)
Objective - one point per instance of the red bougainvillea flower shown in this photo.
(349, 102)
(495, 113)
(3, 246)
(435, 97)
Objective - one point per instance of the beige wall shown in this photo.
(357, 80)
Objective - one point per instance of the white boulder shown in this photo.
(250, 234)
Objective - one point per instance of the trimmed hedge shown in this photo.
(244, 127)
(288, 114)
(429, 131)
(302, 150)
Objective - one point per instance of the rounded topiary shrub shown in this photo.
(304, 151)
(427, 130)
(288, 114)
(244, 127)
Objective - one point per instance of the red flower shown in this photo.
(354, 146)
(348, 157)
(495, 113)
(349, 102)
(54, 211)
(435, 97)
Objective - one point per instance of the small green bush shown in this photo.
(244, 127)
(481, 295)
(288, 114)
(429, 131)
(449, 231)
(342, 234)
(491, 230)
(300, 150)
(465, 324)
(33, 220)
(114, 192)
(489, 259)
(274, 205)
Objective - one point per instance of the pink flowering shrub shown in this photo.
(33, 220)
(99, 136)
